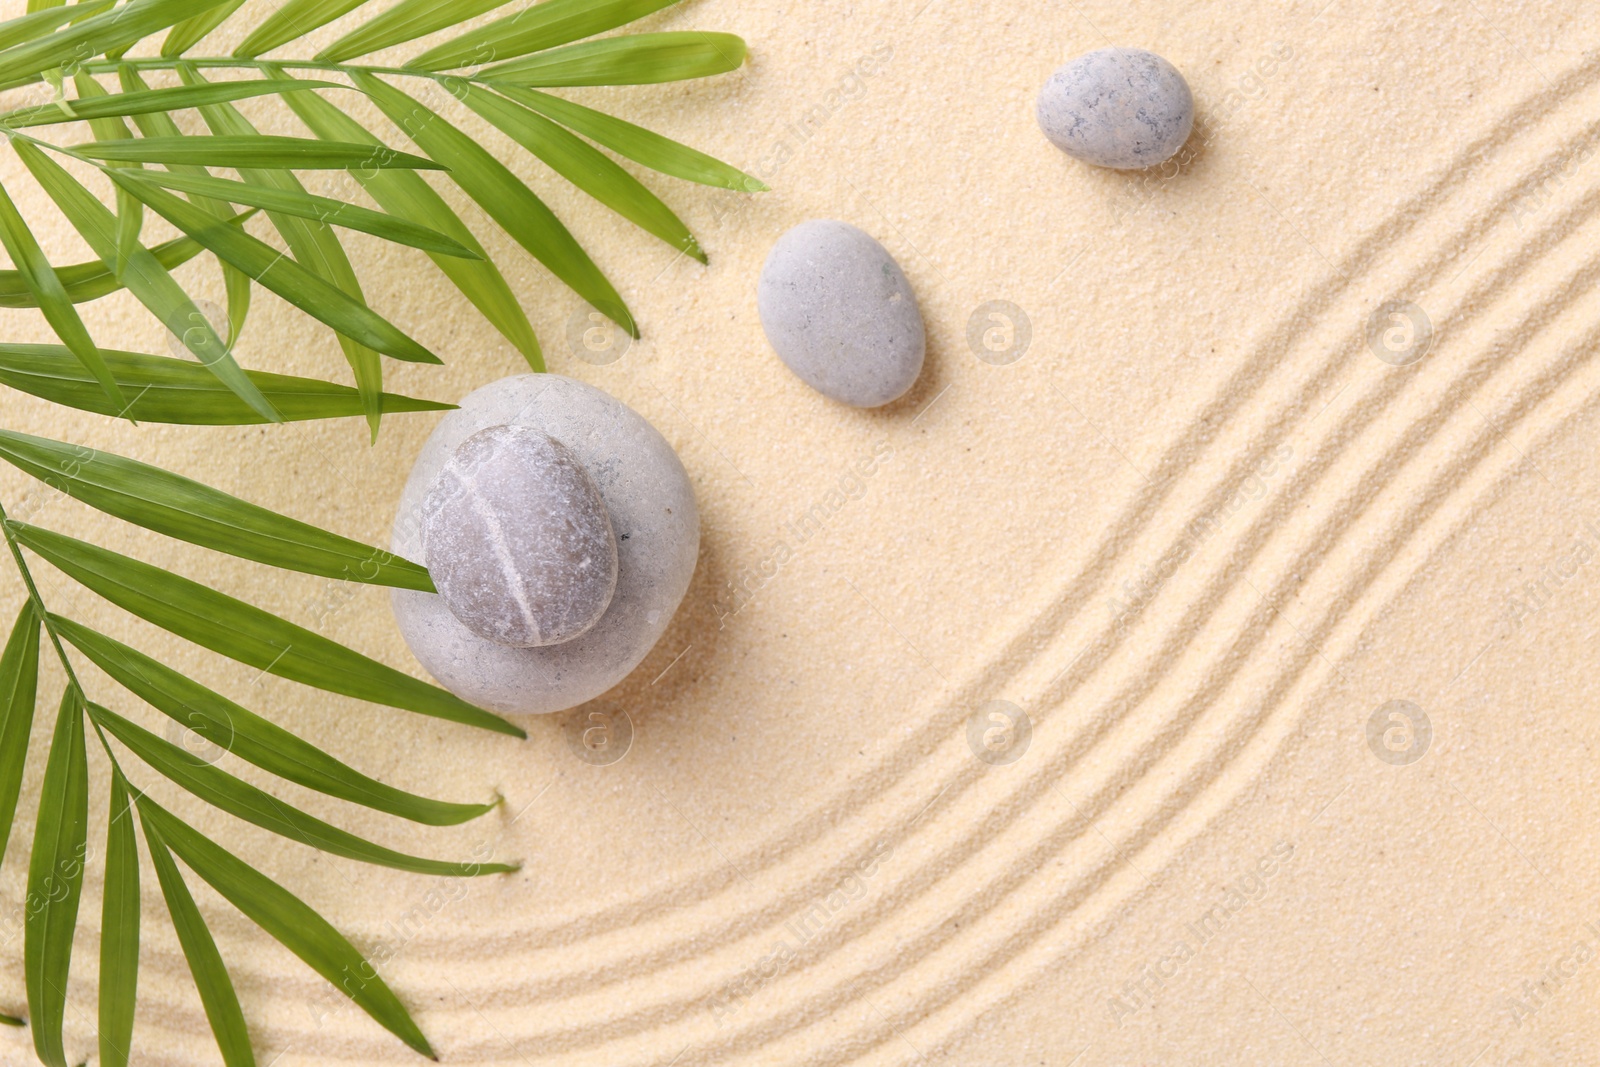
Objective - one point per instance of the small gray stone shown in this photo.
(517, 539)
(653, 516)
(840, 313)
(1117, 107)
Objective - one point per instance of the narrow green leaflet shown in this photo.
(633, 59)
(171, 390)
(160, 124)
(19, 683)
(314, 245)
(637, 143)
(174, 505)
(292, 923)
(53, 300)
(103, 33)
(509, 202)
(310, 206)
(310, 293)
(37, 23)
(130, 213)
(222, 790)
(246, 633)
(123, 105)
(407, 194)
(534, 29)
(259, 151)
(205, 963)
(145, 278)
(119, 930)
(581, 164)
(406, 21)
(291, 22)
(12, 1020)
(55, 880)
(190, 32)
(240, 731)
(91, 281)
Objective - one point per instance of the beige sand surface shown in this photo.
(1199, 533)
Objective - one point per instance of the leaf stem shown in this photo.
(38, 601)
(50, 630)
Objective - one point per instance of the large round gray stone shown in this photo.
(517, 539)
(840, 313)
(1117, 107)
(654, 518)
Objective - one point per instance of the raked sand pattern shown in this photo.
(1192, 668)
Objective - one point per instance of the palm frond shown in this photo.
(84, 282)
(171, 390)
(221, 190)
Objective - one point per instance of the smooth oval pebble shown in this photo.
(840, 313)
(1117, 107)
(653, 516)
(517, 539)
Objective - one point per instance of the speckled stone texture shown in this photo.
(653, 515)
(840, 313)
(517, 539)
(1117, 107)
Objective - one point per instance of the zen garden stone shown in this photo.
(526, 503)
(517, 539)
(1117, 107)
(840, 313)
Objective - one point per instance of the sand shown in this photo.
(1198, 533)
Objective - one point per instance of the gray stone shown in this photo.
(653, 516)
(517, 539)
(840, 313)
(1117, 107)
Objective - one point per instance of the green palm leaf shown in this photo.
(190, 32)
(55, 879)
(217, 996)
(310, 206)
(534, 29)
(59, 312)
(406, 21)
(313, 244)
(171, 390)
(243, 800)
(635, 59)
(168, 170)
(407, 194)
(237, 730)
(103, 33)
(124, 105)
(310, 293)
(499, 192)
(84, 282)
(581, 164)
(293, 20)
(38, 22)
(19, 683)
(292, 923)
(257, 150)
(147, 279)
(119, 930)
(189, 511)
(160, 124)
(246, 633)
(635, 142)
(96, 35)
(130, 213)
